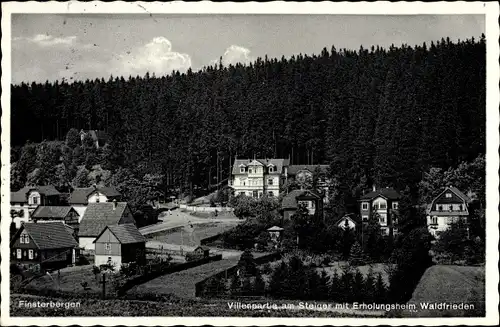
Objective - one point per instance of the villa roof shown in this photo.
(278, 163)
(294, 169)
(386, 192)
(290, 200)
(80, 195)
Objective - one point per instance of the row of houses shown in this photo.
(54, 234)
(260, 177)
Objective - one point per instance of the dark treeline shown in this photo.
(377, 116)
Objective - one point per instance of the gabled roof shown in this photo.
(80, 195)
(52, 212)
(275, 229)
(99, 215)
(386, 192)
(290, 200)
(278, 163)
(21, 195)
(52, 235)
(203, 247)
(124, 233)
(294, 169)
(460, 194)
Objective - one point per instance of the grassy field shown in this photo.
(170, 307)
(201, 231)
(450, 284)
(70, 280)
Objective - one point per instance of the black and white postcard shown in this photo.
(249, 163)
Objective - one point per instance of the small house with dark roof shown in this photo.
(384, 203)
(25, 201)
(67, 215)
(202, 251)
(99, 215)
(81, 197)
(312, 201)
(449, 206)
(117, 244)
(49, 245)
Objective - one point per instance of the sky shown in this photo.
(80, 46)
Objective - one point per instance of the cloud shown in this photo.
(45, 40)
(154, 57)
(235, 54)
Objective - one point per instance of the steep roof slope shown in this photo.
(52, 235)
(99, 215)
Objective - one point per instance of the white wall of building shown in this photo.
(97, 197)
(80, 209)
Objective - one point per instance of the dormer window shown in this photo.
(242, 169)
(271, 169)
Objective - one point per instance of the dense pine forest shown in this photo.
(376, 115)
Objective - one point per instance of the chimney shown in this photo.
(374, 188)
(114, 204)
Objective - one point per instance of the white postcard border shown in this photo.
(490, 9)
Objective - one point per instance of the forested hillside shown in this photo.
(376, 115)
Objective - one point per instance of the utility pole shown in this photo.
(103, 282)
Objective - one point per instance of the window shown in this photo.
(19, 255)
(270, 181)
(25, 239)
(365, 218)
(30, 254)
(434, 220)
(364, 206)
(440, 208)
(382, 219)
(107, 246)
(375, 206)
(242, 169)
(250, 170)
(242, 193)
(35, 200)
(271, 169)
(460, 207)
(448, 195)
(383, 206)
(395, 205)
(270, 193)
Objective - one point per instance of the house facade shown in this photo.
(258, 177)
(81, 197)
(312, 201)
(118, 244)
(99, 215)
(66, 215)
(383, 202)
(450, 206)
(46, 245)
(24, 202)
